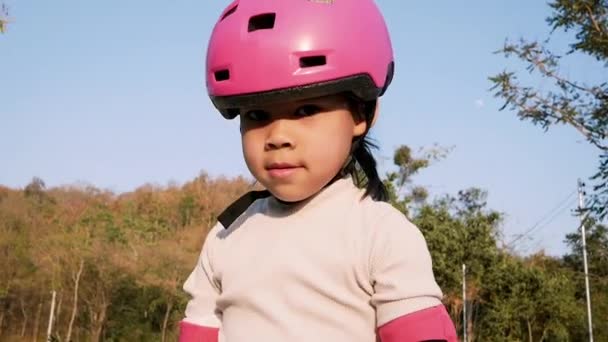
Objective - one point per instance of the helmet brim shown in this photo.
(361, 86)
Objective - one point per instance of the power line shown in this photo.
(553, 213)
(551, 219)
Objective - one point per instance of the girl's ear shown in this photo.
(376, 113)
(360, 127)
(361, 124)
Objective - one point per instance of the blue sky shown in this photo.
(112, 94)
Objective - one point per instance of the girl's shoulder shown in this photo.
(379, 210)
(383, 219)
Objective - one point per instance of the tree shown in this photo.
(402, 194)
(165, 266)
(509, 298)
(570, 102)
(3, 17)
(461, 230)
(596, 239)
(530, 300)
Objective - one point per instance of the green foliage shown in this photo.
(136, 314)
(525, 299)
(186, 210)
(597, 249)
(597, 259)
(589, 18)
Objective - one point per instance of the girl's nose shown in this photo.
(278, 136)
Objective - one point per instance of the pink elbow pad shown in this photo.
(189, 332)
(432, 324)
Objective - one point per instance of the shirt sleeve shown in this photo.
(201, 310)
(401, 271)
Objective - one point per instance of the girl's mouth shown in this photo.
(282, 170)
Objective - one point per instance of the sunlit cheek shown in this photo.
(332, 152)
(250, 152)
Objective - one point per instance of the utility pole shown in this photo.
(581, 206)
(464, 302)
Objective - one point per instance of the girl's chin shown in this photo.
(290, 192)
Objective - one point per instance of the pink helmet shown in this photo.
(269, 50)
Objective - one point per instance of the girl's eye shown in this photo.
(257, 115)
(307, 110)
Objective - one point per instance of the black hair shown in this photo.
(363, 166)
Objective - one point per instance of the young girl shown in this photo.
(313, 257)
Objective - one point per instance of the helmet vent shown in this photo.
(222, 75)
(262, 22)
(229, 12)
(312, 61)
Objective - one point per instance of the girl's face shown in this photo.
(295, 148)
